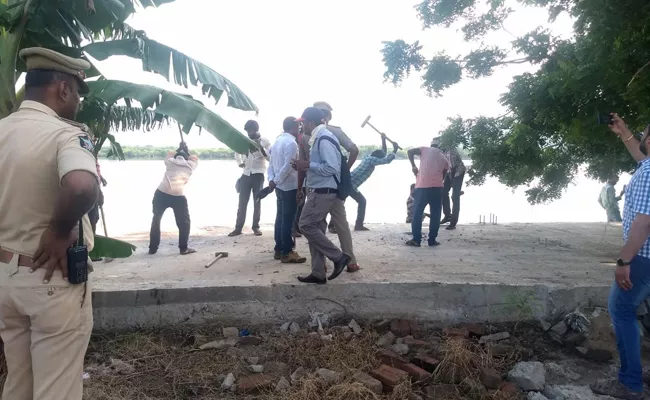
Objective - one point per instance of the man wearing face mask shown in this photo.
(252, 179)
(49, 183)
(632, 274)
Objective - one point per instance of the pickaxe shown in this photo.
(218, 255)
(367, 122)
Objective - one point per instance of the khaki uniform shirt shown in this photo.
(37, 149)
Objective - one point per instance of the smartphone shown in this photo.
(605, 119)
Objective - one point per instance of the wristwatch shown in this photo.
(622, 263)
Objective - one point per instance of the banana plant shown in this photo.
(98, 28)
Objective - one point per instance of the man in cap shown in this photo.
(323, 172)
(339, 221)
(49, 184)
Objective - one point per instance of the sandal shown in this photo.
(187, 251)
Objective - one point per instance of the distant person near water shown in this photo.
(284, 179)
(324, 173)
(361, 174)
(253, 164)
(170, 194)
(428, 190)
(453, 183)
(339, 220)
(609, 201)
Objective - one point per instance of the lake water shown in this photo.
(213, 200)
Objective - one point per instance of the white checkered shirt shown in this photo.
(637, 201)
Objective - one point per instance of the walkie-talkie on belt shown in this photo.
(78, 260)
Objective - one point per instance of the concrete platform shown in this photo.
(479, 273)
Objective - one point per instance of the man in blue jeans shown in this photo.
(284, 179)
(632, 275)
(428, 190)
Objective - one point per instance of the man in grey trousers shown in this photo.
(323, 172)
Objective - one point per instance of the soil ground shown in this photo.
(559, 255)
(166, 365)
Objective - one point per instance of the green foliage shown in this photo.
(109, 247)
(549, 130)
(63, 25)
(521, 305)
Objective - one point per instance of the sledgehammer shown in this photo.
(217, 255)
(367, 122)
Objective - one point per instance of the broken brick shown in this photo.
(415, 372)
(427, 363)
(410, 341)
(389, 376)
(475, 330)
(255, 383)
(456, 332)
(400, 327)
(508, 387)
(391, 358)
(490, 378)
(414, 327)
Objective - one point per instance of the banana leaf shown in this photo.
(159, 58)
(184, 109)
(111, 248)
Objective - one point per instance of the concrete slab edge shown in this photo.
(437, 303)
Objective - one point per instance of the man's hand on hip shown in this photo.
(52, 253)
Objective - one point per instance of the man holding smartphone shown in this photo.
(632, 274)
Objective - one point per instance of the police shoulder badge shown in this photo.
(86, 143)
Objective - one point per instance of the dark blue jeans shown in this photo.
(424, 197)
(284, 220)
(622, 310)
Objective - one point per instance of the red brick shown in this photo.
(414, 326)
(427, 363)
(389, 376)
(400, 327)
(255, 383)
(391, 358)
(456, 332)
(475, 330)
(490, 378)
(415, 372)
(409, 340)
(508, 387)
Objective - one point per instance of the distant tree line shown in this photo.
(159, 153)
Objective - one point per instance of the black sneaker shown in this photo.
(445, 220)
(312, 279)
(412, 243)
(434, 243)
(451, 227)
(187, 251)
(234, 233)
(153, 251)
(339, 266)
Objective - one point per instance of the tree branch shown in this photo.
(638, 73)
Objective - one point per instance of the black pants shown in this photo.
(454, 185)
(161, 202)
(361, 209)
(252, 183)
(284, 220)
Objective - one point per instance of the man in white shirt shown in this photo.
(180, 166)
(252, 179)
(284, 179)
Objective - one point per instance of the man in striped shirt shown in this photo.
(363, 172)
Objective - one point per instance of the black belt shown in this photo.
(325, 191)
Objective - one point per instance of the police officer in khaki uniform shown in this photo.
(48, 183)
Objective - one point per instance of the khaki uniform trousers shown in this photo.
(45, 329)
(340, 223)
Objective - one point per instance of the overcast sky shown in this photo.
(286, 54)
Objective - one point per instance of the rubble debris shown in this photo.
(494, 337)
(528, 375)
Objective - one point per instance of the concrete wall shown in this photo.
(437, 303)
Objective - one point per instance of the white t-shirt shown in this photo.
(178, 173)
